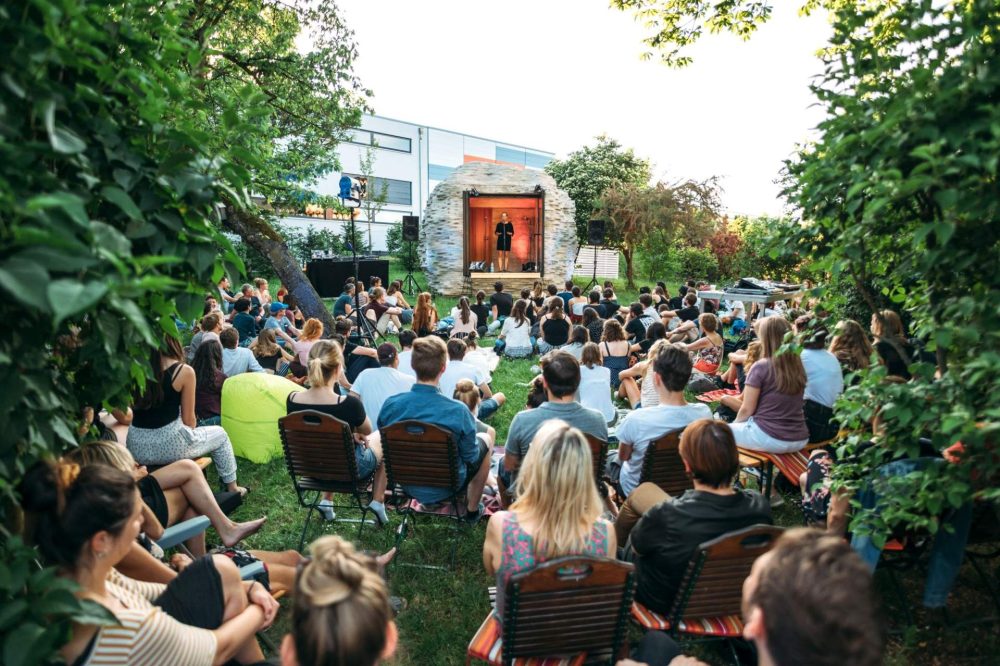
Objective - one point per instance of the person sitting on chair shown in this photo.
(425, 402)
(661, 532)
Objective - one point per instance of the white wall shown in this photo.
(379, 228)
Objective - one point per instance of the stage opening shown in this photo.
(484, 212)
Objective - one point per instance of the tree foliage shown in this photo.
(587, 173)
(902, 199)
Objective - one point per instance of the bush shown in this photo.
(696, 263)
(394, 238)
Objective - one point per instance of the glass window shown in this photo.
(391, 142)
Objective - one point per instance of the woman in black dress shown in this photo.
(504, 233)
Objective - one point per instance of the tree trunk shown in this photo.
(629, 255)
(258, 234)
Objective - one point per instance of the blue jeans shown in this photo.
(487, 408)
(406, 316)
(949, 544)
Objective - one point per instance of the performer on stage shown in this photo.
(504, 233)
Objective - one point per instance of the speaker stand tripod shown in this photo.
(593, 280)
(409, 282)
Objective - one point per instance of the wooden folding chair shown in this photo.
(319, 454)
(663, 465)
(708, 602)
(570, 610)
(599, 453)
(424, 455)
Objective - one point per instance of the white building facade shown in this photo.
(410, 161)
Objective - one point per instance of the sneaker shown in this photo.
(776, 501)
(472, 517)
(326, 509)
(398, 605)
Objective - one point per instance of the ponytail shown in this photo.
(325, 361)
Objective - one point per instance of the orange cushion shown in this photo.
(487, 645)
(727, 625)
(647, 619)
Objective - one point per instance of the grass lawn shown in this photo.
(445, 608)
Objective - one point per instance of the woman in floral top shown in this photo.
(556, 513)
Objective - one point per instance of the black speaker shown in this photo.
(411, 228)
(595, 232)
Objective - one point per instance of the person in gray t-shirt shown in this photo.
(561, 379)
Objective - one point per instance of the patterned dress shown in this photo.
(518, 551)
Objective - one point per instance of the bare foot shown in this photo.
(240, 531)
(385, 558)
(233, 488)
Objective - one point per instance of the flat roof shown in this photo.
(471, 136)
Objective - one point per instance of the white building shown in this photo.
(411, 160)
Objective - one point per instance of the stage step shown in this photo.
(512, 282)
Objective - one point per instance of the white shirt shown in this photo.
(481, 359)
(239, 360)
(376, 385)
(644, 425)
(824, 377)
(595, 390)
(404, 363)
(458, 370)
(736, 309)
(516, 336)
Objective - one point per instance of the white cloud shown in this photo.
(552, 74)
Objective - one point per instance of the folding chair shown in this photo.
(319, 454)
(569, 610)
(599, 453)
(663, 466)
(791, 465)
(424, 455)
(708, 603)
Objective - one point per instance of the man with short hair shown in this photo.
(244, 322)
(646, 301)
(282, 326)
(636, 323)
(828, 625)
(610, 304)
(677, 302)
(566, 294)
(501, 304)
(458, 369)
(406, 338)
(670, 374)
(561, 379)
(235, 359)
(376, 385)
(246, 291)
(225, 295)
(425, 402)
(688, 316)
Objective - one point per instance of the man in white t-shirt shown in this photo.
(671, 372)
(734, 311)
(458, 369)
(376, 385)
(406, 338)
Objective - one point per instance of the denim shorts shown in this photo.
(367, 462)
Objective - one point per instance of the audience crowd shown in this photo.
(607, 373)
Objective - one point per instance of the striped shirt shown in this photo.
(145, 634)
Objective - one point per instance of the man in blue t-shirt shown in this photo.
(425, 402)
(283, 328)
(566, 294)
(244, 322)
(344, 305)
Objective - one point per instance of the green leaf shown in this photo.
(111, 239)
(68, 297)
(70, 204)
(120, 198)
(25, 281)
(17, 648)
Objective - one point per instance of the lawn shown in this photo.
(445, 608)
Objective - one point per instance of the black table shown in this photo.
(328, 276)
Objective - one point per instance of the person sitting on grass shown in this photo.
(384, 316)
(671, 370)
(593, 321)
(243, 322)
(561, 379)
(311, 332)
(482, 312)
(394, 297)
(637, 385)
(574, 308)
(272, 357)
(840, 626)
(85, 522)
(458, 369)
(425, 316)
(687, 330)
(481, 357)
(406, 339)
(341, 610)
(326, 362)
(281, 325)
(557, 510)
(636, 323)
(465, 319)
(707, 352)
(208, 394)
(595, 383)
(566, 294)
(359, 357)
(615, 350)
(578, 337)
(661, 532)
(467, 393)
(376, 385)
(344, 305)
(516, 333)
(235, 359)
(208, 329)
(501, 304)
(554, 327)
(425, 402)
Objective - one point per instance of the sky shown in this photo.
(553, 74)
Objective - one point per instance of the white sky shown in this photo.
(553, 74)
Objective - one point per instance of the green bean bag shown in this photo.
(252, 403)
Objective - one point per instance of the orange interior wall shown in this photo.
(484, 213)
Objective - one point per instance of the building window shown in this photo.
(365, 137)
(399, 192)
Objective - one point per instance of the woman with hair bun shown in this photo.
(84, 522)
(341, 615)
(557, 511)
(326, 362)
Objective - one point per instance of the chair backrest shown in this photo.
(713, 583)
(568, 606)
(599, 452)
(663, 465)
(420, 454)
(318, 446)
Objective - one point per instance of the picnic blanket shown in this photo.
(716, 396)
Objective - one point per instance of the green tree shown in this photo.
(376, 192)
(587, 173)
(108, 229)
(635, 213)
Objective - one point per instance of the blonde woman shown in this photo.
(644, 394)
(326, 363)
(260, 284)
(468, 394)
(557, 510)
(771, 418)
(341, 614)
